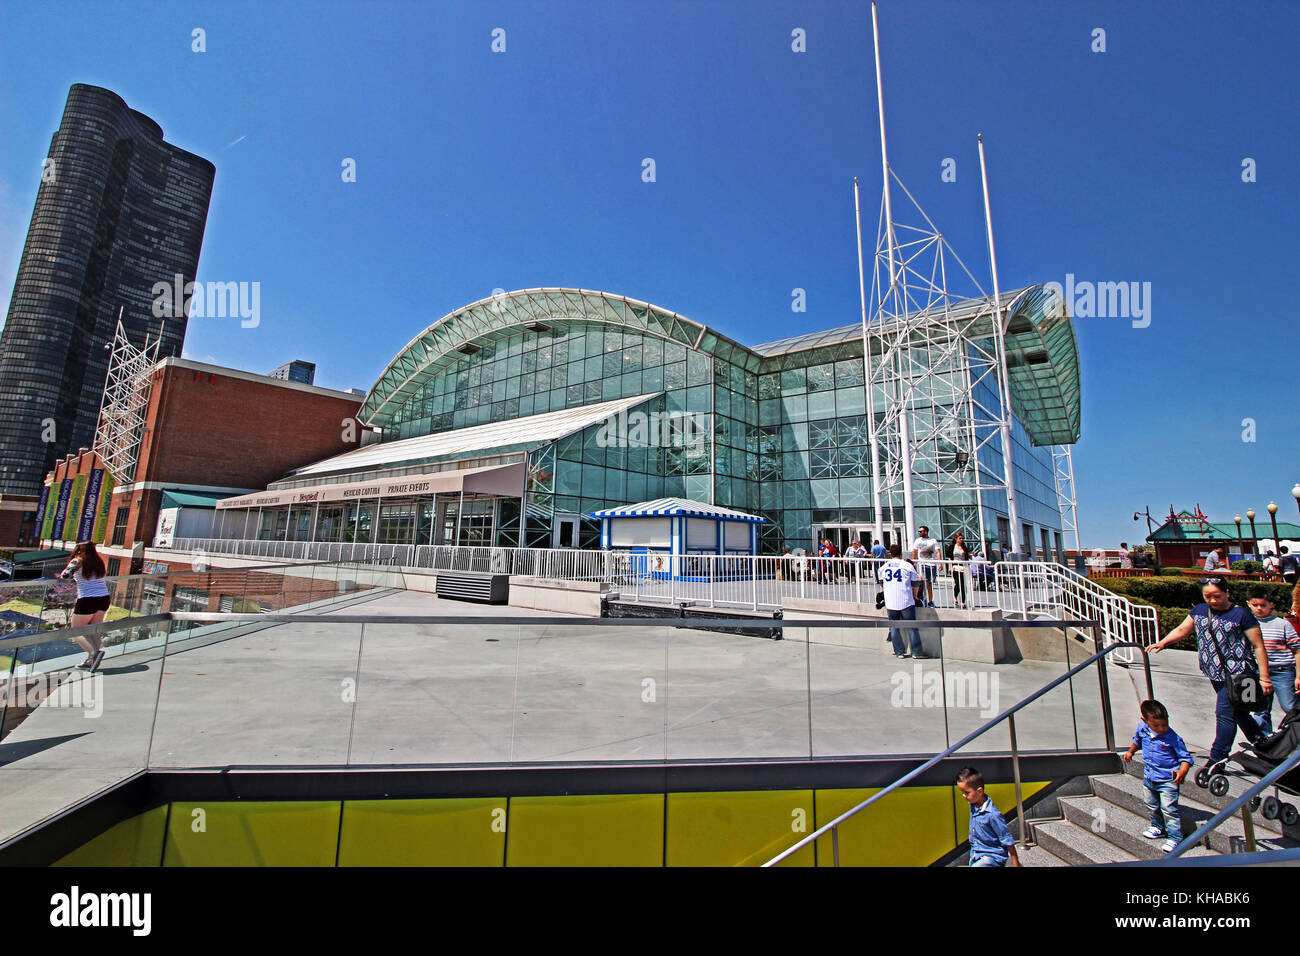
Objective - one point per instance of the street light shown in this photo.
(1254, 539)
(1237, 518)
(1295, 493)
(1272, 513)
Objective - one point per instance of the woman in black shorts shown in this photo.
(86, 567)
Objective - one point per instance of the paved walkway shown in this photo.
(478, 692)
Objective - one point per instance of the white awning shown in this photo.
(503, 480)
(475, 441)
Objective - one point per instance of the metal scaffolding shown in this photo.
(122, 412)
(936, 370)
(1066, 499)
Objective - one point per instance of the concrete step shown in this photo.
(1037, 856)
(1077, 846)
(1238, 783)
(1126, 791)
(1117, 826)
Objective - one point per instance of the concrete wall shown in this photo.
(567, 597)
(992, 645)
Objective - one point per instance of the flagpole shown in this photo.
(999, 338)
(866, 372)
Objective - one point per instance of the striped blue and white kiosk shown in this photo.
(678, 538)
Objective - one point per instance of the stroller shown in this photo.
(1261, 759)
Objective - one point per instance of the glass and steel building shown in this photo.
(511, 420)
(118, 210)
(298, 371)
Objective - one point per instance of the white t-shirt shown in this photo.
(927, 549)
(1124, 560)
(897, 577)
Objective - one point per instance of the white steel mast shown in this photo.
(999, 333)
(866, 375)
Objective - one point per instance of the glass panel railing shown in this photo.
(68, 733)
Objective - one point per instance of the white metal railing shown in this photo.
(1026, 589)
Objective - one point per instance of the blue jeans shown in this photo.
(1161, 801)
(1283, 686)
(986, 860)
(896, 635)
(1226, 721)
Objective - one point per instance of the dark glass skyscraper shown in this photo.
(118, 210)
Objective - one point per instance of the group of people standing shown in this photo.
(967, 566)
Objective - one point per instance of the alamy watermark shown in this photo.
(213, 300)
(1106, 300)
(654, 430)
(52, 690)
(955, 688)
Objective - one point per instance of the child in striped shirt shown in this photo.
(1282, 644)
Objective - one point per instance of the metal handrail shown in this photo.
(1266, 781)
(1009, 714)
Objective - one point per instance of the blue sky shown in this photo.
(479, 170)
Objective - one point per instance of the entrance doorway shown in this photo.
(842, 535)
(565, 532)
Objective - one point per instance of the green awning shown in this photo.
(190, 499)
(32, 557)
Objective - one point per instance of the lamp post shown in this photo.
(1272, 513)
(1254, 539)
(1237, 519)
(1295, 493)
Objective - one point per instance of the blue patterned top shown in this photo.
(1230, 628)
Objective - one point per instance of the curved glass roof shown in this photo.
(1042, 351)
(502, 315)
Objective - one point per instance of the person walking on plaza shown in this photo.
(1282, 644)
(857, 551)
(991, 843)
(1270, 566)
(1125, 558)
(1165, 762)
(86, 567)
(900, 581)
(1229, 645)
(1289, 566)
(925, 552)
(960, 556)
(879, 555)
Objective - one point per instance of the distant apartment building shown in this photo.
(298, 371)
(117, 211)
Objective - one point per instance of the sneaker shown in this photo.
(920, 657)
(1168, 846)
(1153, 833)
(85, 665)
(96, 660)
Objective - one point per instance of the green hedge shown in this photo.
(1176, 591)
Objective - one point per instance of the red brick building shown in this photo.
(207, 433)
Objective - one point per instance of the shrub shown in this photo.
(1252, 567)
(1185, 592)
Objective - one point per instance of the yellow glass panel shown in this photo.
(270, 833)
(137, 841)
(451, 832)
(605, 830)
(910, 827)
(738, 828)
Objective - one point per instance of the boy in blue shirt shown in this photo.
(1165, 761)
(991, 842)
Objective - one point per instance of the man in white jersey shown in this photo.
(900, 580)
(925, 552)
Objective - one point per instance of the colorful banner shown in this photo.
(105, 503)
(75, 501)
(47, 527)
(91, 507)
(61, 510)
(39, 523)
